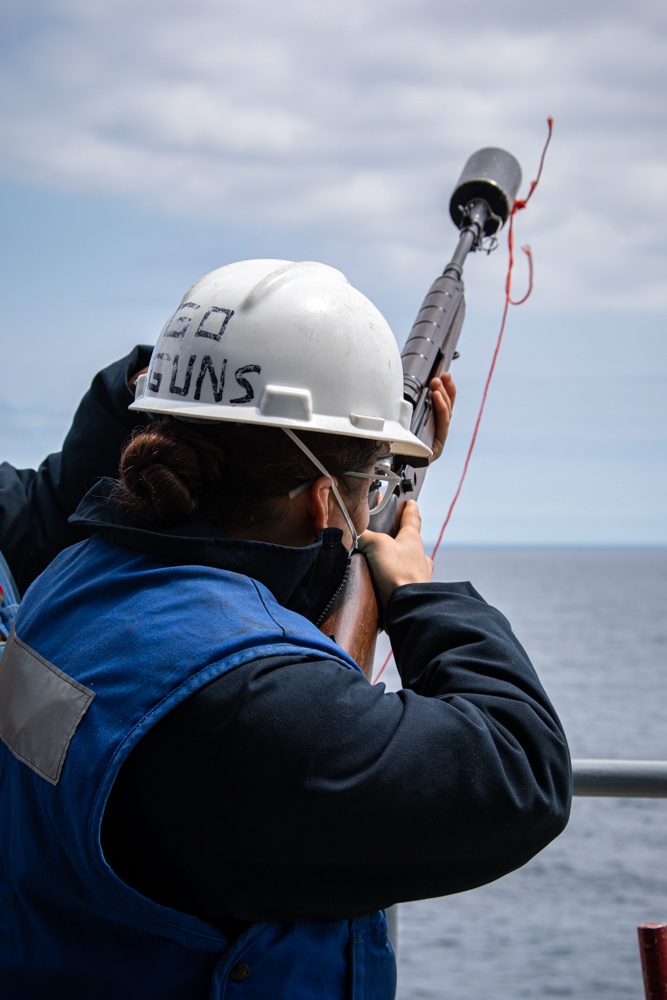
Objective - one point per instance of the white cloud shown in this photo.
(357, 116)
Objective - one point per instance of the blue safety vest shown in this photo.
(107, 642)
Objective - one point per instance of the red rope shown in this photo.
(518, 206)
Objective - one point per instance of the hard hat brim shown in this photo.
(400, 440)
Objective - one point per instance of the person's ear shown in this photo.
(318, 502)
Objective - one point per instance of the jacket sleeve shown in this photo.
(35, 504)
(297, 790)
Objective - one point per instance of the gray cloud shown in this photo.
(357, 117)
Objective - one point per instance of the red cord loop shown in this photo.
(519, 302)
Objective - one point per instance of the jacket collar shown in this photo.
(302, 579)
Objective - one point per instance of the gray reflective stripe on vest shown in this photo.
(40, 708)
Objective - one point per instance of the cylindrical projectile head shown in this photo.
(492, 175)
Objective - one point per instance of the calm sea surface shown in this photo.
(595, 624)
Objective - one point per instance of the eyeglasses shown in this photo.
(378, 498)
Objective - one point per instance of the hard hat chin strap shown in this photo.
(318, 465)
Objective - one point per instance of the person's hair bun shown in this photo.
(163, 474)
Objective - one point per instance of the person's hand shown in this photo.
(394, 562)
(443, 394)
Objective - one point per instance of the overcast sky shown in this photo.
(147, 142)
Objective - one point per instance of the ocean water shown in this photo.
(594, 622)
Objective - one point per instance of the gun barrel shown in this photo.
(426, 351)
(480, 205)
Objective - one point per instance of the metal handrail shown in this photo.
(620, 778)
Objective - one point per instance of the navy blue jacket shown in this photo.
(286, 791)
(294, 790)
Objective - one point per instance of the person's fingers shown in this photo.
(443, 396)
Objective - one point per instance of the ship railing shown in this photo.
(620, 778)
(646, 779)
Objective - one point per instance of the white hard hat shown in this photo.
(282, 344)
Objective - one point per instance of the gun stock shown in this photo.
(480, 205)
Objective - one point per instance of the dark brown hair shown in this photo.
(233, 474)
